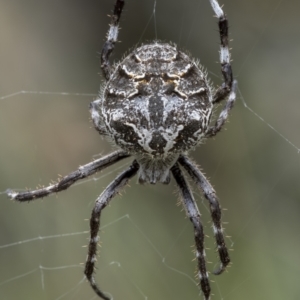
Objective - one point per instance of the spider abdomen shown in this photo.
(156, 104)
(157, 101)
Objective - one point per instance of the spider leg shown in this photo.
(213, 130)
(225, 88)
(101, 202)
(229, 85)
(215, 209)
(194, 215)
(111, 39)
(83, 172)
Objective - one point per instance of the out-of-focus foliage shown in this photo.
(54, 46)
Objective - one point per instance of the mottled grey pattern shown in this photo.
(156, 105)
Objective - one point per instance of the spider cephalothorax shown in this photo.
(156, 105)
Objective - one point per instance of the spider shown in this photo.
(155, 105)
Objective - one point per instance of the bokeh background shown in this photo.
(54, 46)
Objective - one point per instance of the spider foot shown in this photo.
(220, 270)
(222, 266)
(11, 194)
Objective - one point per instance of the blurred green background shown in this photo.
(54, 46)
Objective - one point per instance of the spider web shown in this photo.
(49, 75)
